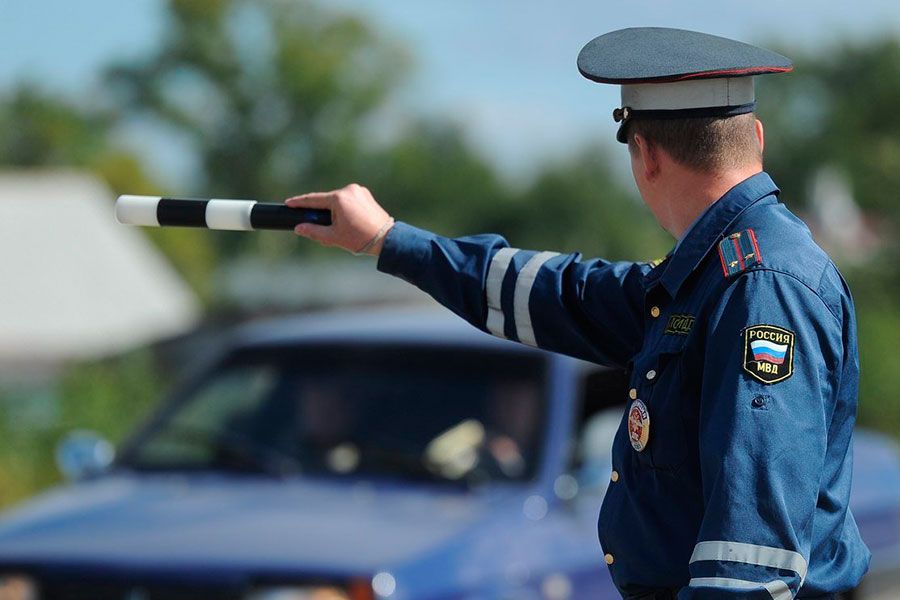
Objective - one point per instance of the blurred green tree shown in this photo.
(838, 109)
(105, 396)
(432, 178)
(273, 97)
(277, 98)
(40, 130)
(580, 206)
(280, 97)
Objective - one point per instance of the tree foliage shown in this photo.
(37, 130)
(838, 109)
(275, 98)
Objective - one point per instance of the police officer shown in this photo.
(731, 468)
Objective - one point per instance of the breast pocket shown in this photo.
(666, 402)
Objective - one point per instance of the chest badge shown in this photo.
(638, 425)
(769, 353)
(679, 325)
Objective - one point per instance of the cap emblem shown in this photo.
(621, 114)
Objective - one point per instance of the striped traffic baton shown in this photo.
(232, 215)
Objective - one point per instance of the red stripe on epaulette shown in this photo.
(737, 251)
(755, 245)
(722, 261)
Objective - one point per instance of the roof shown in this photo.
(77, 284)
(257, 286)
(421, 326)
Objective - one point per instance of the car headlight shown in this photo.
(17, 587)
(381, 586)
(307, 593)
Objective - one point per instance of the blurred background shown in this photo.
(461, 117)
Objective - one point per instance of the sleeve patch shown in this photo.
(769, 353)
(738, 252)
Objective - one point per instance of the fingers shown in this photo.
(318, 233)
(356, 217)
(312, 200)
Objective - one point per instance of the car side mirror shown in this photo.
(82, 454)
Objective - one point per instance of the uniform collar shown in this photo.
(691, 227)
(708, 229)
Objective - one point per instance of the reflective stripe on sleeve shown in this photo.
(493, 289)
(524, 284)
(751, 554)
(776, 588)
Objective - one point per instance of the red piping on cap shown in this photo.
(735, 72)
(742, 72)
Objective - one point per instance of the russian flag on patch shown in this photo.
(768, 351)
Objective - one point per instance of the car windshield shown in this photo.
(440, 414)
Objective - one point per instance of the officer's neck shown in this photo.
(688, 193)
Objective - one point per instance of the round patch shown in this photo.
(638, 425)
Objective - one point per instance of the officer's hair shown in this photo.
(706, 144)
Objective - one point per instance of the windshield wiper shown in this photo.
(232, 451)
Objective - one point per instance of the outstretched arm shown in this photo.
(589, 309)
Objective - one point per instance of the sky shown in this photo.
(504, 69)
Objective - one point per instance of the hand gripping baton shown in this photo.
(232, 215)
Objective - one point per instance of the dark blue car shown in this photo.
(362, 456)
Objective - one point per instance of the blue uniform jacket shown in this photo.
(732, 465)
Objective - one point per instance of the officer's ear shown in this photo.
(760, 136)
(644, 156)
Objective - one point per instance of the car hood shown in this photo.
(236, 525)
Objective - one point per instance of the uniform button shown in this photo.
(654, 312)
(614, 476)
(651, 374)
(609, 559)
(632, 393)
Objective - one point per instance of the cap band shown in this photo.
(695, 93)
(684, 113)
(694, 113)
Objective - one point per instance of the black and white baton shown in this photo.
(231, 215)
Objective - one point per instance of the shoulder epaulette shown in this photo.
(738, 252)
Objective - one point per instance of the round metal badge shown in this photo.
(638, 425)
